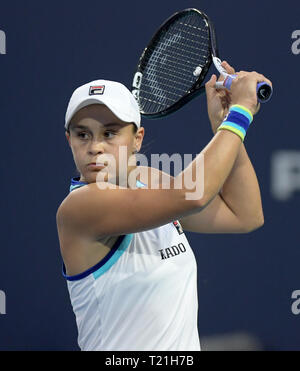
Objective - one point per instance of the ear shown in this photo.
(139, 136)
(68, 138)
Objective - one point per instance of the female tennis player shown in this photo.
(131, 273)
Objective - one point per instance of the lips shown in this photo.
(95, 166)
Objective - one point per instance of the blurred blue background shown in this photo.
(245, 282)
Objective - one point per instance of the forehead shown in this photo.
(96, 114)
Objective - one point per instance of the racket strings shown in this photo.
(174, 63)
(170, 62)
(178, 62)
(205, 40)
(181, 46)
(189, 25)
(156, 82)
(180, 71)
(190, 34)
(156, 102)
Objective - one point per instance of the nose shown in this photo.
(96, 147)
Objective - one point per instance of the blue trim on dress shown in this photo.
(114, 258)
(100, 268)
(76, 183)
(140, 184)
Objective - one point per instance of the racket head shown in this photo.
(173, 66)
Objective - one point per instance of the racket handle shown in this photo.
(264, 90)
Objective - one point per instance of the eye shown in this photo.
(82, 135)
(110, 134)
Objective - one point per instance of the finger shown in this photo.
(242, 73)
(229, 69)
(210, 88)
(210, 85)
(263, 78)
(257, 109)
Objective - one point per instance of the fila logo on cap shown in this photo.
(97, 90)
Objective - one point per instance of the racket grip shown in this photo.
(264, 90)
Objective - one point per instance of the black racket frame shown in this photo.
(197, 89)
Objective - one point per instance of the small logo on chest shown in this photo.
(172, 251)
(178, 227)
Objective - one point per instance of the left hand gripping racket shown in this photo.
(172, 68)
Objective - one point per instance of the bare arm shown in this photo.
(237, 208)
(96, 212)
(241, 192)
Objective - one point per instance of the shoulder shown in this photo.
(74, 204)
(90, 204)
(61, 212)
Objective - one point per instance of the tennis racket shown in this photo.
(172, 68)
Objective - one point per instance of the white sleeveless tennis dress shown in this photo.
(142, 296)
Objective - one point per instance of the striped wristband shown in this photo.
(238, 121)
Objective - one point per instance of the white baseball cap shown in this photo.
(112, 94)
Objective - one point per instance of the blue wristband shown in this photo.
(238, 121)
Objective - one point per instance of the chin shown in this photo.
(89, 178)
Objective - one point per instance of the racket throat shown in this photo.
(217, 63)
